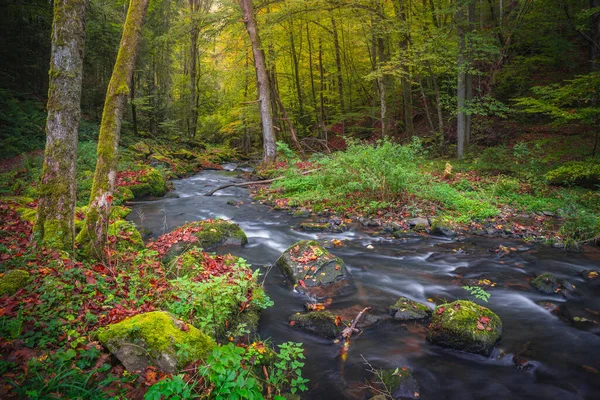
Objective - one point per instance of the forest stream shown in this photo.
(541, 355)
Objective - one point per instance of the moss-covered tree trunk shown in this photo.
(262, 80)
(56, 210)
(93, 235)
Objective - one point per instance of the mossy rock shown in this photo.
(309, 264)
(27, 214)
(152, 184)
(184, 155)
(320, 323)
(313, 227)
(301, 213)
(153, 339)
(550, 284)
(579, 173)
(189, 264)
(207, 235)
(406, 309)
(466, 326)
(13, 280)
(128, 238)
(399, 383)
(141, 149)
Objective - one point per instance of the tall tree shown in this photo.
(461, 118)
(55, 224)
(93, 235)
(262, 82)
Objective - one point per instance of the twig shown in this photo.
(264, 182)
(348, 331)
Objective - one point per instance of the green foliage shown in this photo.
(477, 292)
(287, 371)
(22, 123)
(213, 304)
(231, 380)
(580, 227)
(579, 173)
(574, 100)
(170, 389)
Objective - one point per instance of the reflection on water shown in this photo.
(564, 359)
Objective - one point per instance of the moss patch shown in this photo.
(13, 280)
(151, 184)
(321, 323)
(405, 309)
(464, 325)
(159, 335)
(207, 234)
(126, 236)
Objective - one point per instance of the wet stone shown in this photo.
(405, 310)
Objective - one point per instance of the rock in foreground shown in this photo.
(315, 270)
(466, 326)
(153, 339)
(13, 280)
(399, 383)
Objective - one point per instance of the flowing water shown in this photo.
(564, 356)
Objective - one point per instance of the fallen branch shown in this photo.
(264, 182)
(349, 330)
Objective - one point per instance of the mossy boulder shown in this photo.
(126, 236)
(313, 269)
(549, 284)
(13, 280)
(399, 383)
(184, 154)
(189, 264)
(314, 227)
(153, 339)
(466, 326)
(406, 309)
(320, 323)
(207, 234)
(151, 184)
(141, 149)
(579, 173)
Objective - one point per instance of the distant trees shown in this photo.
(56, 209)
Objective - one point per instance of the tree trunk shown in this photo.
(406, 85)
(133, 107)
(311, 72)
(194, 32)
(595, 38)
(469, 75)
(338, 65)
(461, 119)
(322, 92)
(262, 81)
(296, 68)
(55, 225)
(93, 235)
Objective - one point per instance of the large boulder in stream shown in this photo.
(153, 339)
(314, 270)
(466, 326)
(207, 234)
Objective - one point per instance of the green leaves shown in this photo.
(477, 293)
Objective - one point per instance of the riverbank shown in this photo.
(528, 191)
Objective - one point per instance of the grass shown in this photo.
(497, 182)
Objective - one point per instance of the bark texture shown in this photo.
(262, 82)
(55, 224)
(93, 235)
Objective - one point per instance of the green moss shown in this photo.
(579, 173)
(153, 184)
(322, 323)
(27, 214)
(405, 309)
(187, 264)
(313, 227)
(13, 280)
(464, 325)
(128, 237)
(159, 332)
(211, 234)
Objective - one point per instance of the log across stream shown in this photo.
(562, 350)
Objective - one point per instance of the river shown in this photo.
(563, 355)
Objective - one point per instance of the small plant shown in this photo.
(170, 388)
(477, 293)
(288, 368)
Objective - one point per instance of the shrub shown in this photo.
(578, 173)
